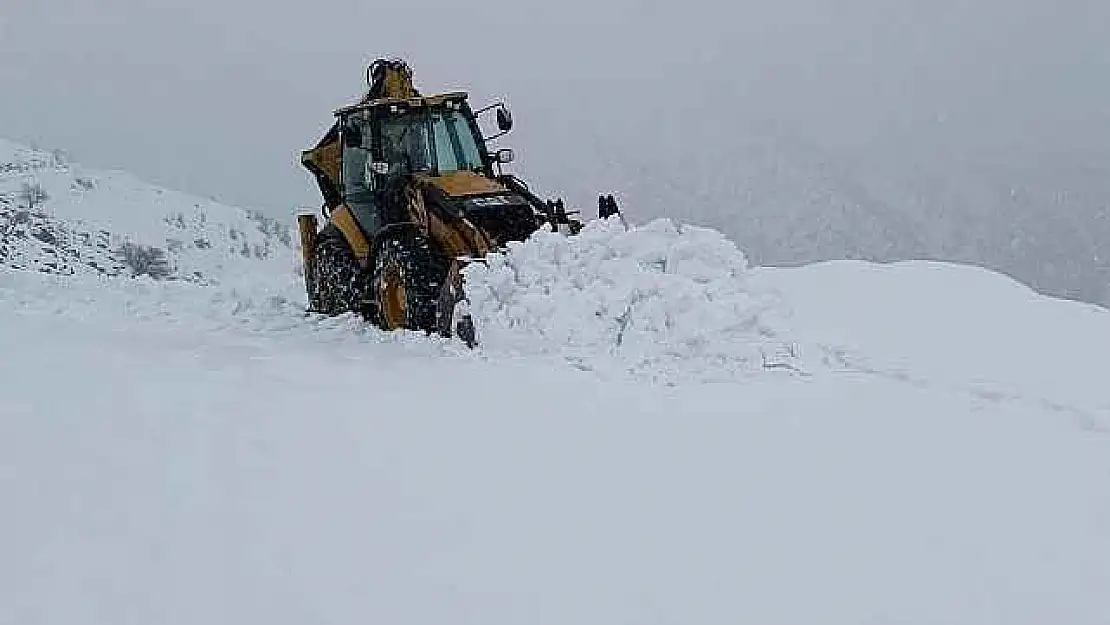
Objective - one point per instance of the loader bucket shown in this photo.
(454, 312)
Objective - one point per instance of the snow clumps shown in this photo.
(664, 301)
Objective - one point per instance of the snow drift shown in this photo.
(663, 300)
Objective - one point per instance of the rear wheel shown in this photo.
(406, 281)
(337, 284)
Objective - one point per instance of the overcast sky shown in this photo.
(217, 97)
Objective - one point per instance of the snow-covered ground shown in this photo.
(652, 432)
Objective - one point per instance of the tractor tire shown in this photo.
(337, 284)
(406, 281)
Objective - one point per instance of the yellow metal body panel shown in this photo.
(306, 226)
(345, 221)
(326, 157)
(458, 238)
(464, 183)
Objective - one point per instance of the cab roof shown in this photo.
(418, 101)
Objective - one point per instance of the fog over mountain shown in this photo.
(976, 131)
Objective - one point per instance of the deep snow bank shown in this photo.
(953, 326)
(663, 300)
(164, 467)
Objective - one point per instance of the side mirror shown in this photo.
(504, 119)
(504, 156)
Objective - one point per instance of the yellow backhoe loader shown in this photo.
(411, 194)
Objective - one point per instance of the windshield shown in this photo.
(408, 139)
(405, 142)
(456, 146)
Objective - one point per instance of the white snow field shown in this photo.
(652, 432)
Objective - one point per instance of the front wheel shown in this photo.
(406, 281)
(336, 283)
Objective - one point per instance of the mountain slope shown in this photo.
(59, 217)
(1033, 210)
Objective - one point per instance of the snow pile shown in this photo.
(58, 217)
(662, 300)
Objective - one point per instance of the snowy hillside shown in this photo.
(58, 217)
(653, 431)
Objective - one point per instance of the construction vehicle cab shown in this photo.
(386, 140)
(411, 194)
